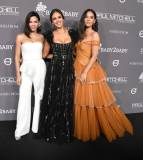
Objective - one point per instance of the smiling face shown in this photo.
(89, 19)
(33, 23)
(57, 20)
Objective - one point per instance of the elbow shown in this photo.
(94, 58)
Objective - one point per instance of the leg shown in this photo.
(36, 113)
(38, 81)
(24, 107)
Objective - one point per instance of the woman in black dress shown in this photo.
(57, 104)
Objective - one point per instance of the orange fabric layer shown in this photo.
(96, 91)
(95, 105)
(111, 121)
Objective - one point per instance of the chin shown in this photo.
(59, 27)
(34, 30)
(88, 26)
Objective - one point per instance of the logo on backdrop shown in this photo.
(140, 1)
(6, 47)
(43, 11)
(141, 52)
(134, 91)
(122, 1)
(9, 10)
(141, 33)
(9, 93)
(115, 63)
(117, 91)
(117, 80)
(114, 50)
(136, 63)
(116, 17)
(7, 111)
(7, 80)
(10, 26)
(121, 32)
(141, 78)
(137, 105)
(7, 61)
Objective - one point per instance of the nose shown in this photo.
(88, 19)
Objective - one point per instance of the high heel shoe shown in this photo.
(51, 139)
(17, 138)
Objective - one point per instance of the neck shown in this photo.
(61, 30)
(88, 30)
(33, 33)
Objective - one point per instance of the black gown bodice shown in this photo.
(57, 104)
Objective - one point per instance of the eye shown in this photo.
(59, 17)
(54, 18)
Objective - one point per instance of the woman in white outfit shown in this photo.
(30, 69)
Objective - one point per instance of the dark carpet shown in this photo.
(128, 147)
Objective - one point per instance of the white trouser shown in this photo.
(32, 72)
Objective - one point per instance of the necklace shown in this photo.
(62, 36)
(33, 38)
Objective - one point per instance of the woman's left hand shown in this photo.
(83, 77)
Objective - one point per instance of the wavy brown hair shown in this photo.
(27, 29)
(82, 26)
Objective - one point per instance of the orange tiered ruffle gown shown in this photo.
(95, 105)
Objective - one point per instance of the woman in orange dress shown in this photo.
(95, 105)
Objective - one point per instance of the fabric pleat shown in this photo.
(95, 105)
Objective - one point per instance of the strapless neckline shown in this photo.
(31, 43)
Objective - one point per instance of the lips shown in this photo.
(58, 23)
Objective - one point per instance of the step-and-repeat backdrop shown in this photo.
(121, 55)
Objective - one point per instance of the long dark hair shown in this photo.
(56, 10)
(82, 26)
(27, 29)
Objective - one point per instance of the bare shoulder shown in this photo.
(95, 36)
(41, 36)
(20, 37)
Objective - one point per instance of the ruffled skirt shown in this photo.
(95, 107)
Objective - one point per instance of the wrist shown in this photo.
(85, 71)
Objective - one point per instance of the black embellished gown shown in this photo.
(56, 117)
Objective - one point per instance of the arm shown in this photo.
(95, 52)
(17, 59)
(47, 46)
(46, 49)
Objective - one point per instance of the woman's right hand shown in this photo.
(50, 56)
(18, 80)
